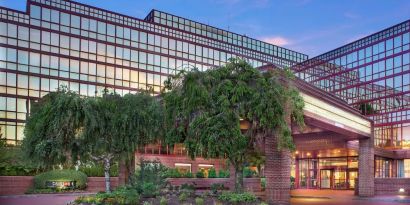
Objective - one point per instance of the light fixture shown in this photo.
(401, 190)
(296, 152)
(318, 155)
(308, 154)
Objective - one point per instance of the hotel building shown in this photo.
(363, 96)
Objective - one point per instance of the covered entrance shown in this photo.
(326, 173)
(329, 148)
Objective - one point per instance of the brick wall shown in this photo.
(16, 185)
(366, 167)
(170, 160)
(13, 185)
(250, 184)
(96, 184)
(389, 186)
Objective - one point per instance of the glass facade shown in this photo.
(327, 173)
(373, 75)
(59, 42)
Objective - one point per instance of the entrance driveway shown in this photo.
(341, 197)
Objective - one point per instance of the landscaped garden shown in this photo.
(69, 137)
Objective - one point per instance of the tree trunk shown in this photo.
(107, 166)
(238, 178)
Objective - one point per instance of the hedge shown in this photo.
(61, 175)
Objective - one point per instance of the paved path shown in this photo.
(342, 197)
(40, 199)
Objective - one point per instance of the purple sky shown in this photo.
(308, 26)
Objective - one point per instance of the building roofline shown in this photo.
(367, 36)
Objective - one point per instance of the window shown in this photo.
(75, 21)
(183, 168)
(45, 14)
(55, 16)
(65, 19)
(35, 12)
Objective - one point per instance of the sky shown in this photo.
(311, 27)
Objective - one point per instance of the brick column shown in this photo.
(366, 167)
(277, 173)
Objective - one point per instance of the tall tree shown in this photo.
(139, 123)
(52, 129)
(204, 110)
(115, 126)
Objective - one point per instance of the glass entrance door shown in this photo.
(352, 175)
(325, 179)
(339, 179)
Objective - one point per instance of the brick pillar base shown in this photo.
(277, 173)
(366, 168)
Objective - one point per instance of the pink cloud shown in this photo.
(277, 40)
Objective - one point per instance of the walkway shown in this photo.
(342, 197)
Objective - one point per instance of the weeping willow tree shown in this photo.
(52, 129)
(65, 128)
(204, 111)
(115, 126)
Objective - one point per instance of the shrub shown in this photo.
(199, 201)
(173, 173)
(248, 173)
(212, 173)
(263, 203)
(263, 184)
(13, 162)
(237, 197)
(189, 187)
(217, 187)
(223, 173)
(121, 195)
(200, 174)
(147, 203)
(149, 189)
(163, 201)
(183, 196)
(61, 175)
(149, 178)
(97, 170)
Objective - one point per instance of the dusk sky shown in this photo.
(308, 26)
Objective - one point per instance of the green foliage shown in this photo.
(187, 187)
(263, 184)
(97, 170)
(175, 173)
(223, 173)
(183, 196)
(199, 201)
(52, 127)
(235, 198)
(65, 127)
(147, 203)
(120, 196)
(163, 201)
(212, 173)
(13, 162)
(200, 174)
(263, 203)
(149, 178)
(248, 173)
(149, 189)
(215, 188)
(61, 175)
(204, 110)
